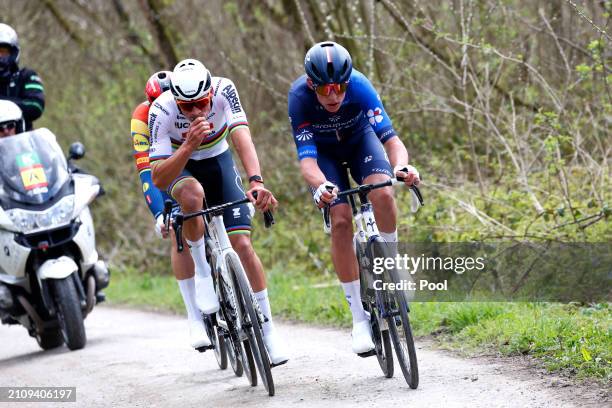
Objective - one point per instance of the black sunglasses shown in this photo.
(7, 126)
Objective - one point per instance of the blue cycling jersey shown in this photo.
(313, 126)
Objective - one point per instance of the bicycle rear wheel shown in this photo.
(240, 355)
(210, 321)
(235, 362)
(217, 340)
(382, 342)
(251, 324)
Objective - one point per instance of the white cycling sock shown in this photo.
(264, 305)
(187, 287)
(389, 236)
(352, 292)
(198, 253)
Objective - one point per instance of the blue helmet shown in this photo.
(328, 63)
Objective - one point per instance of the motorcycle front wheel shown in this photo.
(69, 313)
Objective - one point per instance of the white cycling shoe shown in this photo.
(206, 298)
(276, 348)
(362, 337)
(197, 334)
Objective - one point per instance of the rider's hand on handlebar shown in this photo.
(265, 199)
(407, 172)
(325, 194)
(160, 228)
(198, 130)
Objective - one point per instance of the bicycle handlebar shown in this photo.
(180, 218)
(366, 188)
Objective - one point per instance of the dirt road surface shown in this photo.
(142, 359)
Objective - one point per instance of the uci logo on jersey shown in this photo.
(181, 125)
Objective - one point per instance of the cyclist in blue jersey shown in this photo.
(338, 117)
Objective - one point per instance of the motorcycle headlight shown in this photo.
(62, 211)
(56, 216)
(24, 220)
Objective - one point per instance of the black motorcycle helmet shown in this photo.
(328, 63)
(8, 38)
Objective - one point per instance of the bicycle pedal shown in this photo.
(204, 348)
(367, 353)
(272, 365)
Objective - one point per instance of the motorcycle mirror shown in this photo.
(77, 151)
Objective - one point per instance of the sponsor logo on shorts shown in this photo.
(382, 171)
(236, 212)
(367, 159)
(145, 187)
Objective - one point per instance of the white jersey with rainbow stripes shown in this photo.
(168, 127)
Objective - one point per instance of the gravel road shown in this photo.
(142, 359)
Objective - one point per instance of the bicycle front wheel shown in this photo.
(251, 323)
(396, 306)
(401, 334)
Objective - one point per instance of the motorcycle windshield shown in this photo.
(32, 167)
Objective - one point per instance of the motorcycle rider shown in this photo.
(11, 119)
(21, 86)
(182, 264)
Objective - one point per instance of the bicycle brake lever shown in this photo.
(268, 217)
(418, 194)
(167, 211)
(178, 231)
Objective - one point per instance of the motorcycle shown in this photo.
(50, 274)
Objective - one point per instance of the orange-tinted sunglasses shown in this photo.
(201, 103)
(325, 90)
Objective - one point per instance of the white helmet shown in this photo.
(10, 112)
(190, 80)
(8, 37)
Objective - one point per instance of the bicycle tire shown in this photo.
(382, 342)
(400, 330)
(252, 326)
(210, 322)
(234, 361)
(241, 351)
(217, 340)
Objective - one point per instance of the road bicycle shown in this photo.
(388, 309)
(235, 330)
